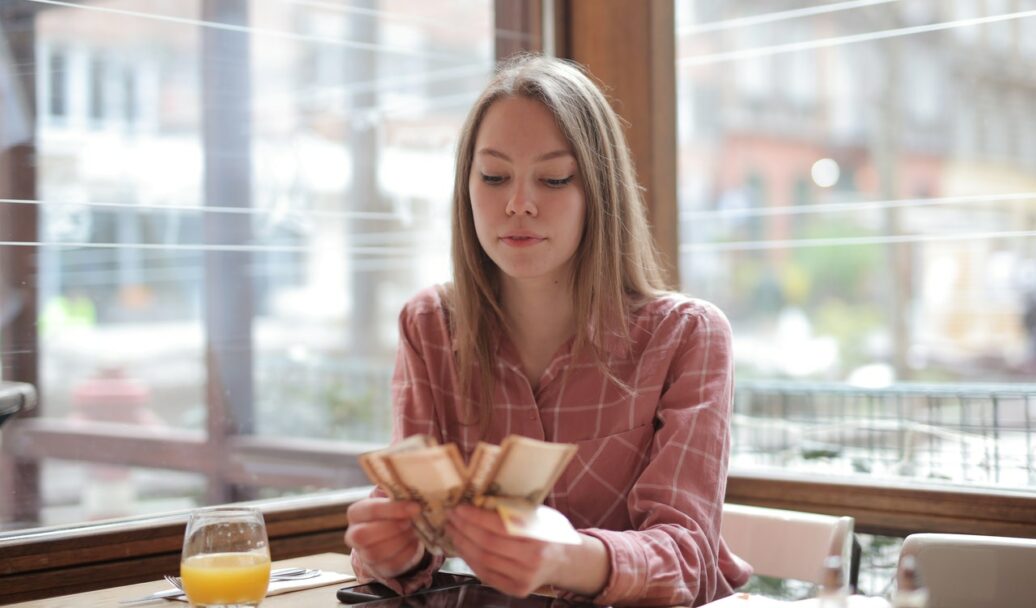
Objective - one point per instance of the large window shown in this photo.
(857, 190)
(232, 200)
(219, 206)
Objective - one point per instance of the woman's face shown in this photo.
(526, 192)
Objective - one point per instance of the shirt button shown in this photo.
(532, 416)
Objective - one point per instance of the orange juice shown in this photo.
(218, 579)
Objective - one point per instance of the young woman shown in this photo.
(557, 327)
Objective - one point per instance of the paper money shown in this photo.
(526, 468)
(536, 521)
(512, 478)
(377, 469)
(435, 477)
(480, 469)
(376, 466)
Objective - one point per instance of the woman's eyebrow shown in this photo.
(540, 158)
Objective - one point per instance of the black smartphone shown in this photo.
(359, 594)
(368, 592)
(468, 596)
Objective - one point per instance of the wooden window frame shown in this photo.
(19, 341)
(639, 77)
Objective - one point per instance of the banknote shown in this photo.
(526, 468)
(513, 478)
(435, 477)
(522, 518)
(376, 467)
(482, 465)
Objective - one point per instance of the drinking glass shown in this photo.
(226, 558)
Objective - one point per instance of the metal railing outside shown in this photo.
(956, 433)
(324, 397)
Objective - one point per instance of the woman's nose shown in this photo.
(521, 203)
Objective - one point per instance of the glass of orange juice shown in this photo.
(226, 558)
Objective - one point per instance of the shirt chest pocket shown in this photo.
(593, 490)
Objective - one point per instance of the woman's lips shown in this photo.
(521, 240)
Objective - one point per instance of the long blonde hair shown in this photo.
(615, 265)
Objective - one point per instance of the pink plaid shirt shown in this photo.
(649, 477)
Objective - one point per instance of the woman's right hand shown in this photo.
(381, 533)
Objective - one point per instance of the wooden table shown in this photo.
(316, 597)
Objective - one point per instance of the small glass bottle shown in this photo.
(834, 592)
(909, 591)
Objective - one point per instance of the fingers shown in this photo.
(485, 531)
(468, 516)
(381, 532)
(365, 535)
(375, 509)
(504, 583)
(385, 547)
(502, 561)
(402, 560)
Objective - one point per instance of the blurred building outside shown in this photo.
(931, 141)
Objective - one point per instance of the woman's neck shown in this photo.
(541, 318)
(538, 307)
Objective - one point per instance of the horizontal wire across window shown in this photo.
(836, 41)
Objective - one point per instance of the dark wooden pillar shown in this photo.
(519, 27)
(19, 223)
(630, 47)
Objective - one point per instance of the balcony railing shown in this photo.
(959, 433)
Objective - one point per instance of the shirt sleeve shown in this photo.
(674, 554)
(413, 412)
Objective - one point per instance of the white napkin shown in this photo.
(325, 578)
(750, 600)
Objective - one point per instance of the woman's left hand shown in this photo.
(511, 564)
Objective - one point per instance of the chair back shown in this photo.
(789, 544)
(964, 570)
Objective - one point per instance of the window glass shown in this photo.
(57, 78)
(97, 89)
(1027, 31)
(232, 201)
(78, 490)
(862, 204)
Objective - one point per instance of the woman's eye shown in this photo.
(559, 183)
(492, 180)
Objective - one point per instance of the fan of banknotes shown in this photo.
(513, 478)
